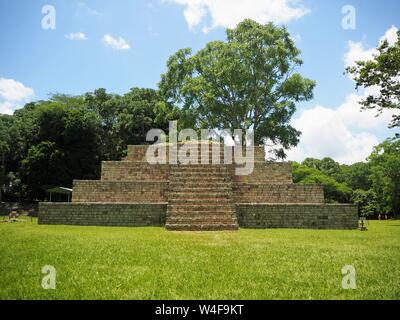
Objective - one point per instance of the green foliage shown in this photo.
(367, 202)
(374, 185)
(356, 176)
(126, 119)
(385, 175)
(44, 166)
(4, 147)
(382, 71)
(143, 109)
(246, 82)
(50, 143)
(333, 190)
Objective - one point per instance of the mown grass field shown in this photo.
(152, 263)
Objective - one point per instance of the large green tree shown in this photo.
(141, 110)
(382, 71)
(4, 149)
(309, 173)
(385, 175)
(248, 81)
(43, 167)
(107, 108)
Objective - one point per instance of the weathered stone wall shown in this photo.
(135, 193)
(310, 216)
(103, 214)
(278, 193)
(119, 191)
(138, 153)
(133, 171)
(266, 172)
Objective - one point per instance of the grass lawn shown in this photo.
(152, 263)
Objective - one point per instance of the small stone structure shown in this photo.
(133, 192)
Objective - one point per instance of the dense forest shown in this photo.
(50, 143)
(374, 185)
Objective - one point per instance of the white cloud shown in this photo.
(358, 52)
(76, 36)
(116, 43)
(228, 13)
(13, 94)
(12, 90)
(6, 108)
(346, 134)
(351, 114)
(390, 35)
(325, 134)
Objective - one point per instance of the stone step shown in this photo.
(175, 208)
(205, 213)
(200, 182)
(200, 195)
(199, 166)
(197, 161)
(200, 220)
(195, 175)
(199, 201)
(199, 188)
(200, 198)
(202, 227)
(203, 216)
(204, 180)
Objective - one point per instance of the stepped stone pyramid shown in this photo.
(133, 192)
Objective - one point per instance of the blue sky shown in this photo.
(76, 57)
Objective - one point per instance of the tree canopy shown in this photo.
(50, 143)
(247, 82)
(373, 185)
(250, 81)
(382, 72)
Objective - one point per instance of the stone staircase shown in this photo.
(200, 197)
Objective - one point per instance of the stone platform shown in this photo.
(133, 192)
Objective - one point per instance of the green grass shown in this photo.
(152, 263)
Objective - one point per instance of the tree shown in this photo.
(327, 165)
(382, 71)
(247, 82)
(385, 175)
(367, 202)
(106, 107)
(43, 167)
(333, 190)
(357, 176)
(4, 148)
(80, 144)
(142, 110)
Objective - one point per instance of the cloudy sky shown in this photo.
(121, 44)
